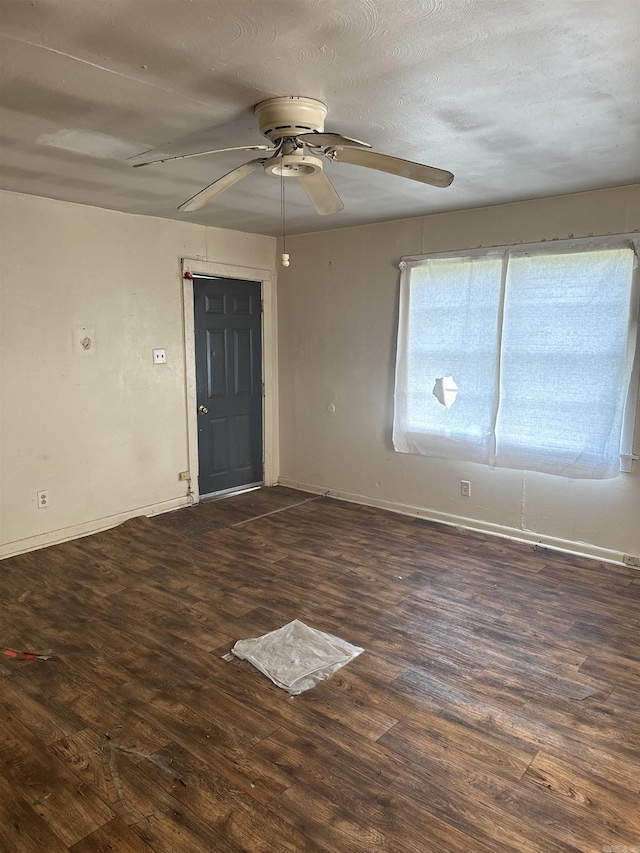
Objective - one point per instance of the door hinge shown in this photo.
(263, 389)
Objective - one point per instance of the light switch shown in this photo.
(159, 356)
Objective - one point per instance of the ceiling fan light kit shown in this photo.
(296, 165)
(293, 124)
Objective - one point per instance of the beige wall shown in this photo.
(337, 323)
(103, 431)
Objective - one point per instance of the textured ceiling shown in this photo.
(518, 99)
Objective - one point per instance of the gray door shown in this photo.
(228, 342)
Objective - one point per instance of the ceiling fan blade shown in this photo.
(219, 186)
(158, 159)
(321, 140)
(322, 194)
(392, 165)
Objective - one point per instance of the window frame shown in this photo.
(565, 246)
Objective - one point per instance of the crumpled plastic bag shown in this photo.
(296, 657)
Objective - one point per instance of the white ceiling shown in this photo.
(519, 98)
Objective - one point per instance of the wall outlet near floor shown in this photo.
(465, 488)
(631, 560)
(159, 356)
(184, 475)
(43, 499)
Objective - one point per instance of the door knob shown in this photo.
(203, 410)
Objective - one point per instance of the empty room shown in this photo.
(319, 426)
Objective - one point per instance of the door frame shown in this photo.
(270, 454)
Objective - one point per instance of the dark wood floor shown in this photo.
(495, 707)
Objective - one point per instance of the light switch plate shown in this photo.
(159, 356)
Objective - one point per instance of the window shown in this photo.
(520, 357)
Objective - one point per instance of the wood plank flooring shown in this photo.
(495, 709)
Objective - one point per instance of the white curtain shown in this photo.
(449, 326)
(541, 346)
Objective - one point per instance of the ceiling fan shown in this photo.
(295, 127)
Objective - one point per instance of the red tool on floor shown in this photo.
(16, 655)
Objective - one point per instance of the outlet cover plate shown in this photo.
(159, 356)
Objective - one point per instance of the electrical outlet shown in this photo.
(465, 488)
(43, 500)
(184, 475)
(159, 356)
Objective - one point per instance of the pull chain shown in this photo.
(285, 256)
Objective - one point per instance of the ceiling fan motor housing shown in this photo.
(282, 118)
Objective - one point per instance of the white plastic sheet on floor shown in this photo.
(296, 657)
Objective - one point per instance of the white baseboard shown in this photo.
(580, 549)
(76, 531)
